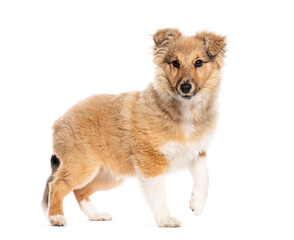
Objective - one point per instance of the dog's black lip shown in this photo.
(187, 97)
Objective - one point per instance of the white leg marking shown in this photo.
(57, 220)
(198, 169)
(154, 191)
(92, 213)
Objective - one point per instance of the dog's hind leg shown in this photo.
(70, 175)
(58, 190)
(102, 181)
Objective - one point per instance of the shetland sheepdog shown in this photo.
(104, 139)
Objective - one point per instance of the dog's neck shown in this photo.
(201, 106)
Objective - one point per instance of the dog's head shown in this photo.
(188, 65)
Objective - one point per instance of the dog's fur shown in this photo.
(105, 138)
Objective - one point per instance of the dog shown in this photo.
(104, 139)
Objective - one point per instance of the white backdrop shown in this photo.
(54, 53)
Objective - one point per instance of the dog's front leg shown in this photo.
(198, 169)
(154, 190)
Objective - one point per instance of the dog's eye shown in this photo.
(198, 63)
(176, 64)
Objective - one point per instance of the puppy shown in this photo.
(104, 139)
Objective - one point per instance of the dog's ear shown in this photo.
(215, 45)
(163, 38)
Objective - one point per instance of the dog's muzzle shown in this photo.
(186, 89)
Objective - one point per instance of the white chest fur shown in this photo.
(180, 155)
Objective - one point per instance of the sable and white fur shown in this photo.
(104, 139)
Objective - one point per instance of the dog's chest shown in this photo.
(180, 155)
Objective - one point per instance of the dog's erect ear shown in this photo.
(164, 37)
(215, 45)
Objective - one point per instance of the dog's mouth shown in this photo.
(187, 96)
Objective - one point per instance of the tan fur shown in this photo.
(105, 138)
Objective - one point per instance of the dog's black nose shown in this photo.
(185, 87)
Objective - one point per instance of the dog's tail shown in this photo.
(55, 162)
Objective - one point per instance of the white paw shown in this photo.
(92, 213)
(168, 222)
(100, 216)
(57, 220)
(197, 204)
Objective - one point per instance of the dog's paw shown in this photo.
(100, 216)
(197, 204)
(168, 222)
(57, 220)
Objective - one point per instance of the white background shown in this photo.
(54, 53)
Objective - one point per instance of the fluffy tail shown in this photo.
(54, 166)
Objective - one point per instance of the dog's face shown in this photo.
(188, 65)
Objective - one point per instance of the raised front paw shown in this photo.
(168, 222)
(197, 203)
